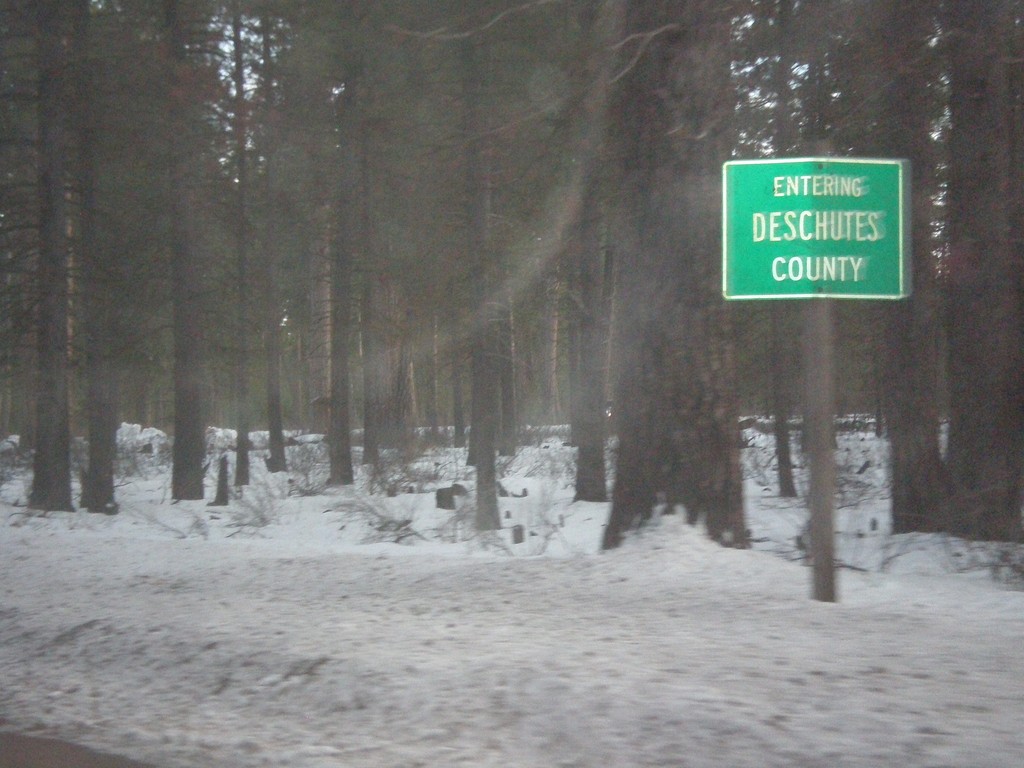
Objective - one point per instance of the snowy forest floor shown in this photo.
(307, 627)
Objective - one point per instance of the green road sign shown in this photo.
(816, 228)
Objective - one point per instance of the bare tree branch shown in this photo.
(645, 40)
(445, 34)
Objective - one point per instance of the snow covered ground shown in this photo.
(350, 629)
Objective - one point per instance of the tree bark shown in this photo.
(910, 354)
(189, 450)
(371, 347)
(99, 317)
(51, 479)
(276, 460)
(433, 406)
(550, 391)
(339, 437)
(591, 307)
(676, 398)
(241, 222)
(782, 365)
(589, 431)
(485, 335)
(508, 433)
(457, 358)
(372, 374)
(986, 433)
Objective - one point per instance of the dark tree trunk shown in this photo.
(51, 480)
(339, 437)
(588, 252)
(484, 434)
(507, 435)
(392, 367)
(189, 451)
(241, 223)
(784, 364)
(99, 319)
(639, 486)
(572, 348)
(549, 389)
(984, 311)
(27, 385)
(372, 375)
(276, 460)
(485, 336)
(782, 367)
(677, 404)
(910, 359)
(589, 431)
(372, 351)
(458, 407)
(433, 409)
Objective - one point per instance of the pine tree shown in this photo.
(986, 429)
(189, 450)
(678, 428)
(51, 479)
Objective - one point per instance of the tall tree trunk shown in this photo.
(508, 433)
(638, 489)
(433, 370)
(241, 222)
(393, 365)
(414, 422)
(98, 311)
(592, 305)
(51, 480)
(339, 436)
(485, 335)
(371, 374)
(371, 347)
(552, 338)
(910, 359)
(189, 451)
(985, 328)
(677, 400)
(784, 364)
(589, 431)
(457, 357)
(317, 350)
(276, 460)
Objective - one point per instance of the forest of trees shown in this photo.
(447, 219)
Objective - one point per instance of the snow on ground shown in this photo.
(349, 629)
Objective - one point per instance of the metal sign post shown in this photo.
(819, 436)
(819, 228)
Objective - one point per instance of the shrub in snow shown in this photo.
(141, 450)
(401, 471)
(382, 525)
(1008, 564)
(308, 468)
(258, 505)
